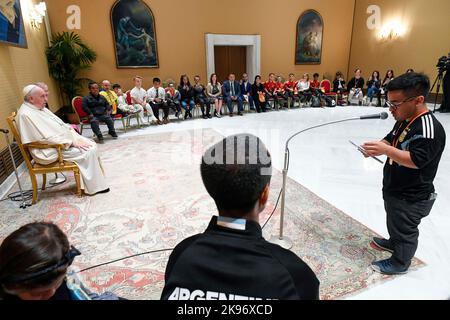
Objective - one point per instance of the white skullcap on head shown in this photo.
(27, 90)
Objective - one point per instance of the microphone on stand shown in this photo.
(280, 239)
(382, 116)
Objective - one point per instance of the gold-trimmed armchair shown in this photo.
(35, 168)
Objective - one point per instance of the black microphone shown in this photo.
(382, 116)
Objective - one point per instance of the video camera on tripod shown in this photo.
(443, 64)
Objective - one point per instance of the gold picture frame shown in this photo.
(309, 38)
(134, 35)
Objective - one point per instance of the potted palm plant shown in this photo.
(67, 56)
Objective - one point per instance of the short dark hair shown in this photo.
(91, 84)
(316, 75)
(413, 84)
(32, 248)
(235, 172)
(291, 74)
(156, 80)
(116, 85)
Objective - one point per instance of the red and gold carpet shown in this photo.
(157, 199)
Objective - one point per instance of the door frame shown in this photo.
(251, 42)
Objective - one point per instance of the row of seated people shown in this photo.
(187, 96)
(103, 102)
(353, 92)
(35, 259)
(258, 96)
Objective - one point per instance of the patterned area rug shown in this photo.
(157, 199)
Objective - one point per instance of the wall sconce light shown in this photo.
(37, 15)
(391, 31)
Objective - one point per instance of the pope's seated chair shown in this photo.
(35, 168)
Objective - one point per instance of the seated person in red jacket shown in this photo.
(280, 93)
(290, 87)
(269, 87)
(315, 84)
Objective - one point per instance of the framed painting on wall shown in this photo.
(134, 34)
(12, 29)
(309, 36)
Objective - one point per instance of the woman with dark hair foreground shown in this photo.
(34, 262)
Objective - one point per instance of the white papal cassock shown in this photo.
(42, 125)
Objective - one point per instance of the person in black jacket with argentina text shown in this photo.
(231, 260)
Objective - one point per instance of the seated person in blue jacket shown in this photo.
(232, 93)
(246, 91)
(374, 88)
(34, 262)
(98, 110)
(231, 260)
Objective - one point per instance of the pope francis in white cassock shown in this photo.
(38, 124)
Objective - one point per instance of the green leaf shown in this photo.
(67, 56)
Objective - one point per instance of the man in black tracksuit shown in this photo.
(231, 260)
(414, 148)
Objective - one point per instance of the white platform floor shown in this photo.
(325, 162)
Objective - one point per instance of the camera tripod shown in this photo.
(438, 81)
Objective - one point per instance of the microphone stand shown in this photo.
(281, 239)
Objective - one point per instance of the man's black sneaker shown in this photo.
(113, 134)
(388, 267)
(101, 139)
(382, 244)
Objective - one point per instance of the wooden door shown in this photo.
(230, 59)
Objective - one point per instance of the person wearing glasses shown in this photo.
(414, 148)
(34, 263)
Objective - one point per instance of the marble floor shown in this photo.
(324, 161)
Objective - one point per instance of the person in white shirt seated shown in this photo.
(156, 96)
(122, 103)
(139, 98)
(304, 90)
(38, 124)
